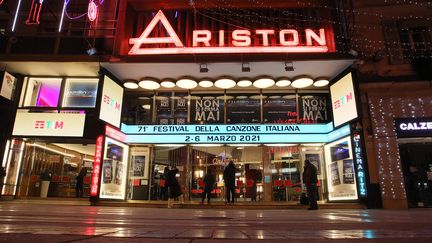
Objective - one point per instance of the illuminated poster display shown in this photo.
(80, 93)
(280, 109)
(8, 86)
(340, 170)
(114, 170)
(140, 162)
(315, 108)
(243, 109)
(207, 109)
(343, 101)
(111, 104)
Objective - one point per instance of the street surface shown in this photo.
(36, 222)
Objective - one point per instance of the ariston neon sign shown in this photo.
(288, 41)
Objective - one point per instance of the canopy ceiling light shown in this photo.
(130, 84)
(241, 97)
(321, 82)
(283, 82)
(244, 83)
(205, 83)
(149, 84)
(146, 107)
(263, 83)
(168, 84)
(225, 83)
(186, 83)
(302, 82)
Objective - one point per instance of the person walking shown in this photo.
(173, 187)
(229, 179)
(209, 181)
(80, 182)
(310, 179)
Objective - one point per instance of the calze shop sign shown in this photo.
(236, 41)
(413, 127)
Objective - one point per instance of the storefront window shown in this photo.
(80, 92)
(243, 108)
(42, 92)
(138, 109)
(340, 170)
(62, 161)
(248, 163)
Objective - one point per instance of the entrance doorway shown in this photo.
(417, 169)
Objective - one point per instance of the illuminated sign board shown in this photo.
(114, 133)
(343, 99)
(49, 124)
(243, 40)
(94, 188)
(413, 127)
(111, 104)
(360, 166)
(238, 133)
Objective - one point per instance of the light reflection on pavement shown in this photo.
(65, 223)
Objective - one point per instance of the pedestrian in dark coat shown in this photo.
(229, 179)
(310, 179)
(209, 181)
(79, 188)
(173, 187)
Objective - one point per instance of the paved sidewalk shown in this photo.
(64, 223)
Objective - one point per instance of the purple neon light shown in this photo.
(48, 95)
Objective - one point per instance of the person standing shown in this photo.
(209, 181)
(80, 182)
(173, 187)
(310, 179)
(229, 179)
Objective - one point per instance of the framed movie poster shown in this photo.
(140, 162)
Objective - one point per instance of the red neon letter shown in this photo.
(293, 42)
(34, 13)
(221, 38)
(241, 38)
(203, 36)
(310, 34)
(144, 39)
(264, 34)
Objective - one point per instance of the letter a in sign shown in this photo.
(144, 39)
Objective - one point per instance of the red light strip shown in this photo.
(207, 50)
(94, 188)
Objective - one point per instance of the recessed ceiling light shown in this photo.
(225, 83)
(283, 82)
(321, 82)
(302, 82)
(241, 97)
(168, 84)
(263, 83)
(130, 85)
(149, 84)
(186, 83)
(244, 83)
(205, 83)
(146, 107)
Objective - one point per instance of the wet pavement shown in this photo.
(39, 222)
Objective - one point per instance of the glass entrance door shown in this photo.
(417, 169)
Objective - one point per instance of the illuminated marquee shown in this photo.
(288, 40)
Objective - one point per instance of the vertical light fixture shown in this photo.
(34, 13)
(92, 11)
(62, 15)
(16, 15)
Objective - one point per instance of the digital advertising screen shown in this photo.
(344, 105)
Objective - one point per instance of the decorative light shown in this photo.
(302, 82)
(283, 82)
(244, 83)
(263, 83)
(149, 84)
(130, 85)
(205, 83)
(146, 107)
(225, 83)
(168, 84)
(186, 83)
(92, 11)
(34, 13)
(321, 82)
